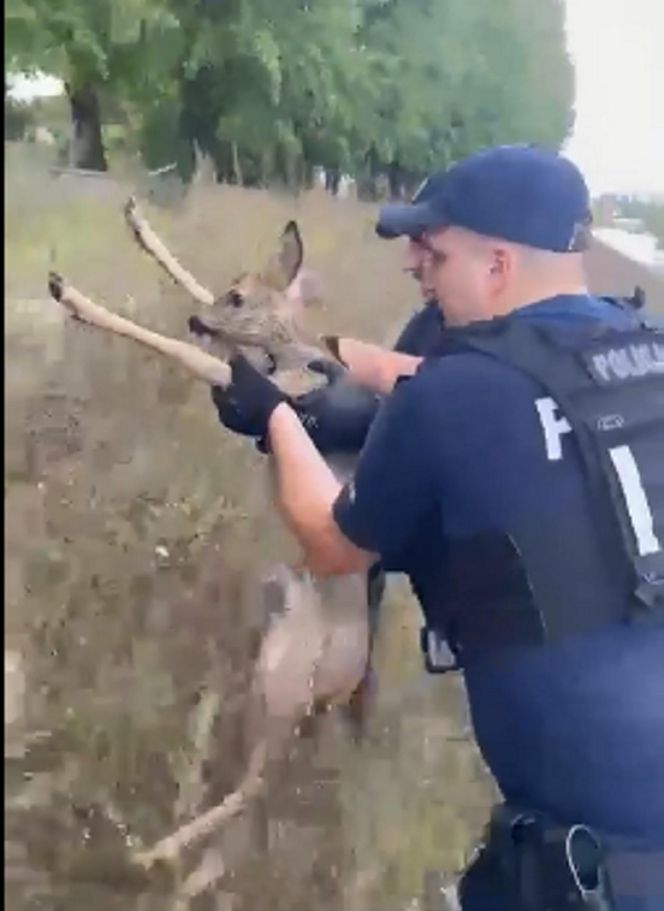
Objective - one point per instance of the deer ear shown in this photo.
(286, 262)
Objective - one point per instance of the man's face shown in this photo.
(416, 262)
(463, 273)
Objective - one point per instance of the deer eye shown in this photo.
(235, 299)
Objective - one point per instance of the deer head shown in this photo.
(262, 309)
(255, 299)
(258, 313)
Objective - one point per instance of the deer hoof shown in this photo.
(55, 285)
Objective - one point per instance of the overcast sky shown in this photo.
(618, 49)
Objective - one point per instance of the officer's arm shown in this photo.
(307, 490)
(374, 367)
(342, 529)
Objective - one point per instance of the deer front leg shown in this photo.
(170, 848)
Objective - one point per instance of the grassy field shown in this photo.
(135, 532)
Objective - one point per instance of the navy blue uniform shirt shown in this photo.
(575, 729)
(423, 332)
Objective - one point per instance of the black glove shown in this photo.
(331, 370)
(246, 404)
(336, 416)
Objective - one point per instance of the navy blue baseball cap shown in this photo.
(521, 193)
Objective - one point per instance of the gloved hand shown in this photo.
(331, 370)
(245, 406)
(336, 416)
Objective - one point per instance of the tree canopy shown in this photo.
(271, 88)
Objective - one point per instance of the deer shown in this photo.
(315, 652)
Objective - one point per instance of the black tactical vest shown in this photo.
(609, 385)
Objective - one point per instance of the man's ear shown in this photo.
(502, 267)
(285, 264)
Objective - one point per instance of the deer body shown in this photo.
(315, 650)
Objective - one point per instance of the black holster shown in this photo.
(549, 867)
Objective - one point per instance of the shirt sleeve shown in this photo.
(380, 508)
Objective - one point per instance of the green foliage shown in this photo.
(271, 88)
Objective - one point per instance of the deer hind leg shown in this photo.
(361, 701)
(81, 308)
(151, 243)
(282, 694)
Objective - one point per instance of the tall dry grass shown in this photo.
(135, 534)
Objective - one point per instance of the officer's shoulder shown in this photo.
(449, 391)
(453, 385)
(467, 370)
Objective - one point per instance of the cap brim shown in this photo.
(407, 218)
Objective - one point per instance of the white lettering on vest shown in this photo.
(643, 360)
(629, 362)
(554, 426)
(619, 363)
(635, 500)
(601, 362)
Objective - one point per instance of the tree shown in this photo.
(283, 89)
(270, 88)
(454, 75)
(98, 47)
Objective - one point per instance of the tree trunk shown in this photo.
(395, 180)
(332, 179)
(307, 174)
(367, 185)
(87, 147)
(237, 168)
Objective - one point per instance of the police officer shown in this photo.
(535, 437)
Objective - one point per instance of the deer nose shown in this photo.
(271, 362)
(198, 327)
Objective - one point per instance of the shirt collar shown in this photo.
(572, 306)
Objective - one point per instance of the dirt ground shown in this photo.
(135, 533)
